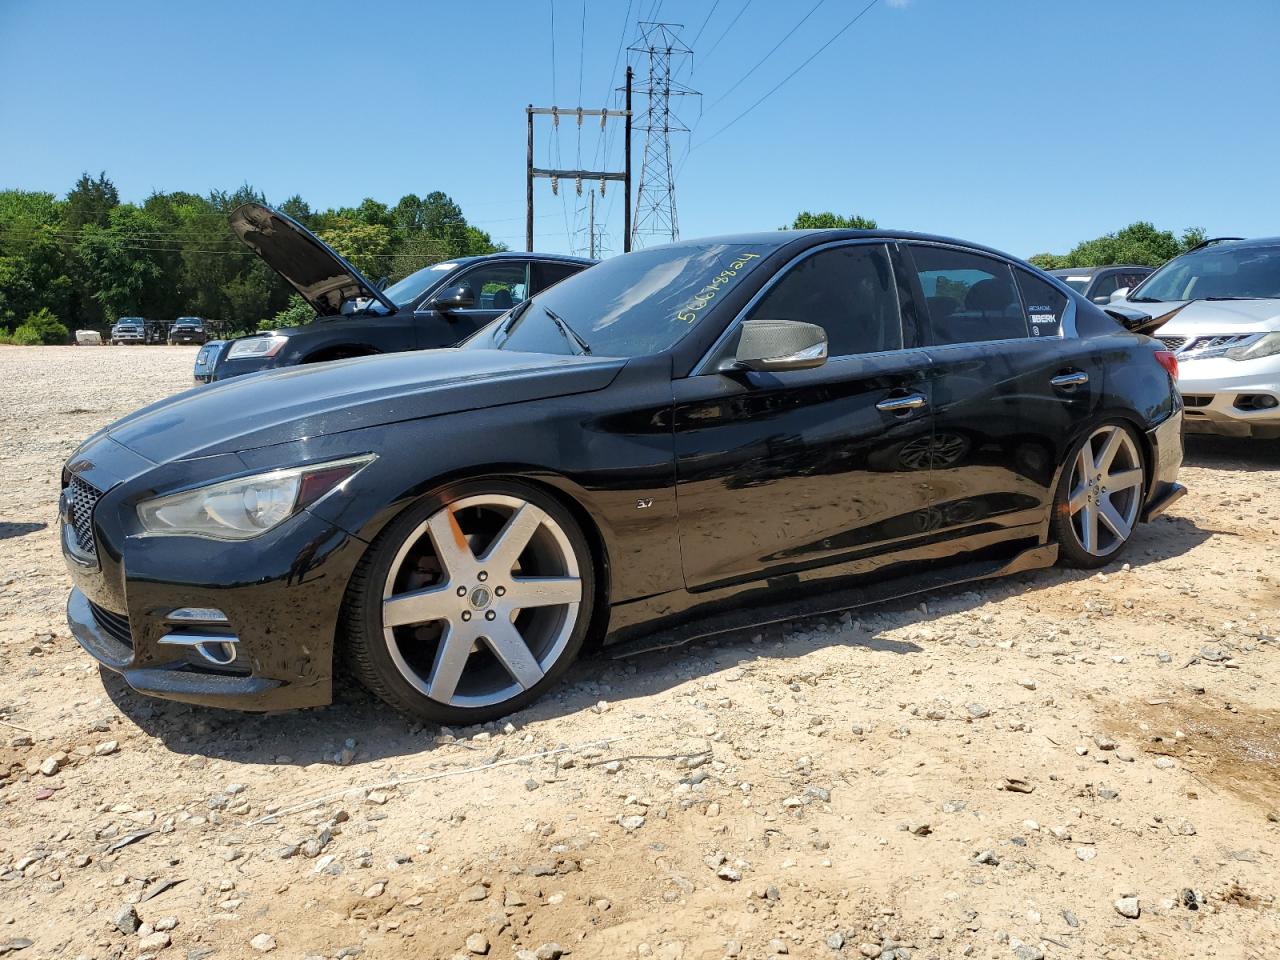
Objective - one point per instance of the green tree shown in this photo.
(366, 246)
(40, 327)
(297, 314)
(828, 220)
(1139, 243)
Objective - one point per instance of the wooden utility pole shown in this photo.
(624, 176)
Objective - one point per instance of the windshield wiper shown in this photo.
(568, 332)
(1236, 298)
(513, 316)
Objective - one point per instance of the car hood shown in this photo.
(309, 265)
(317, 399)
(1214, 316)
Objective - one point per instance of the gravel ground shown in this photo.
(1055, 765)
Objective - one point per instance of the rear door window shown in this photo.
(1045, 304)
(548, 274)
(971, 298)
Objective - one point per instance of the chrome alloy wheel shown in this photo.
(1106, 490)
(481, 600)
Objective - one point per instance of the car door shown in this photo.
(778, 472)
(1009, 387)
(495, 286)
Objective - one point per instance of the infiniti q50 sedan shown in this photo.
(680, 440)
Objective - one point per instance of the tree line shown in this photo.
(84, 260)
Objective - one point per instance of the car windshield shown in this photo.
(404, 292)
(1078, 284)
(634, 305)
(1215, 273)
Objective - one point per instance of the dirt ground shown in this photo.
(1055, 765)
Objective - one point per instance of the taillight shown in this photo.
(1167, 360)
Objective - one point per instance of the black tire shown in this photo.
(1072, 551)
(368, 654)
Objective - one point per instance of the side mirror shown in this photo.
(774, 345)
(1116, 296)
(460, 297)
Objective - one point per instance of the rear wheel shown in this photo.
(470, 605)
(1099, 497)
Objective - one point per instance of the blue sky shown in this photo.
(1026, 125)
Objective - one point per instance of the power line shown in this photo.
(727, 30)
(760, 63)
(698, 36)
(808, 60)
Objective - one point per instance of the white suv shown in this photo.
(1226, 335)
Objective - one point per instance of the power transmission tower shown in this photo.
(603, 176)
(656, 192)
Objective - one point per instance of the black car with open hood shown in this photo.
(436, 306)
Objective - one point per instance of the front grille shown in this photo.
(1173, 343)
(1197, 399)
(82, 497)
(116, 624)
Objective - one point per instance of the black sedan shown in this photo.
(678, 441)
(436, 306)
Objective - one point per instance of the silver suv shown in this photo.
(1225, 331)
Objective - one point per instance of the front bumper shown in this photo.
(281, 594)
(1229, 397)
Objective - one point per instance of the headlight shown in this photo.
(257, 347)
(246, 507)
(1268, 345)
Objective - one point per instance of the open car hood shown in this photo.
(1143, 321)
(310, 265)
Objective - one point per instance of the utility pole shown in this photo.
(656, 195)
(624, 176)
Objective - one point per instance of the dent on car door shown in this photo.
(1009, 386)
(779, 472)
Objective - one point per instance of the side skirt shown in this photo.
(851, 598)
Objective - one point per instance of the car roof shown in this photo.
(1090, 271)
(1251, 242)
(776, 239)
(520, 255)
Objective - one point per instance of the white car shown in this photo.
(1225, 333)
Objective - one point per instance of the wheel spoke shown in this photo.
(1123, 480)
(1115, 440)
(451, 660)
(1089, 528)
(1078, 498)
(419, 606)
(452, 550)
(509, 647)
(513, 538)
(1084, 465)
(543, 591)
(1111, 517)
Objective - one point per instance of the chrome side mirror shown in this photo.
(775, 345)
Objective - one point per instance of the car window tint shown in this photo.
(1131, 280)
(848, 291)
(1045, 304)
(497, 286)
(547, 274)
(1105, 286)
(970, 297)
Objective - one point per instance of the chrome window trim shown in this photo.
(701, 369)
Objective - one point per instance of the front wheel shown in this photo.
(1099, 497)
(472, 604)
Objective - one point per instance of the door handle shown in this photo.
(1077, 378)
(911, 401)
